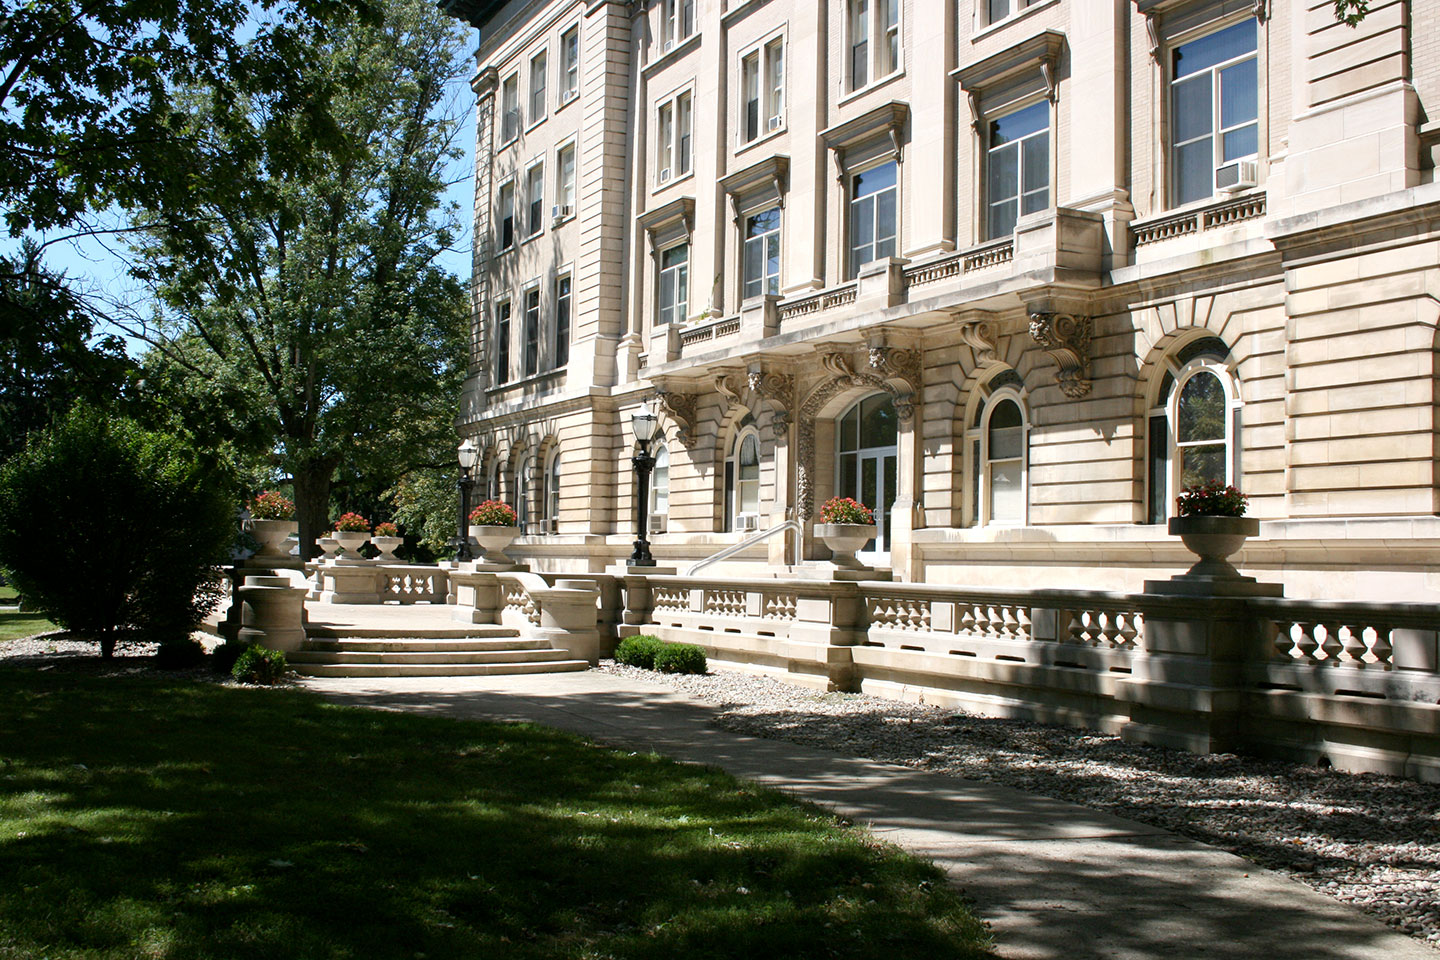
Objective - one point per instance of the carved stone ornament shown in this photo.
(1067, 339)
(722, 386)
(779, 388)
(896, 363)
(979, 336)
(680, 407)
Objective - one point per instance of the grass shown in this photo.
(14, 624)
(143, 816)
(8, 594)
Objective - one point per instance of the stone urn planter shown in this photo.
(271, 535)
(387, 547)
(493, 541)
(844, 539)
(1214, 540)
(329, 546)
(351, 541)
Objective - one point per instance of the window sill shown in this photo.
(534, 236)
(1016, 17)
(506, 144)
(566, 100)
(874, 85)
(670, 56)
(668, 184)
(749, 145)
(561, 221)
(535, 124)
(534, 378)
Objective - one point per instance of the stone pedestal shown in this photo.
(272, 613)
(569, 617)
(348, 581)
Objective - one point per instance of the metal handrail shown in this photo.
(749, 541)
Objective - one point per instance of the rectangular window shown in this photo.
(889, 50)
(750, 85)
(677, 22)
(532, 332)
(859, 43)
(510, 108)
(774, 84)
(762, 85)
(1017, 175)
(539, 67)
(562, 321)
(1000, 9)
(673, 138)
(569, 64)
(674, 284)
(502, 343)
(506, 216)
(762, 253)
(535, 197)
(872, 215)
(1214, 101)
(565, 182)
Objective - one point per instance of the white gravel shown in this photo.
(1367, 840)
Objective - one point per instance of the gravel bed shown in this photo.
(1368, 840)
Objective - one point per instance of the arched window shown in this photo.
(492, 480)
(865, 460)
(999, 458)
(550, 500)
(1194, 428)
(742, 481)
(524, 482)
(660, 491)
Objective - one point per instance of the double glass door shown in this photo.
(865, 466)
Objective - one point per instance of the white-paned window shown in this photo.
(1214, 102)
(1194, 429)
(524, 484)
(550, 499)
(677, 22)
(660, 487)
(569, 64)
(674, 284)
(762, 254)
(535, 198)
(873, 226)
(742, 481)
(762, 84)
(532, 331)
(874, 27)
(673, 147)
(563, 302)
(565, 182)
(502, 342)
(1017, 167)
(1000, 9)
(505, 217)
(539, 67)
(1003, 453)
(510, 108)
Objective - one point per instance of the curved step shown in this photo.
(540, 655)
(396, 645)
(435, 669)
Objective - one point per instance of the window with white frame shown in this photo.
(1000, 460)
(524, 484)
(550, 497)
(1194, 428)
(761, 254)
(502, 342)
(874, 28)
(673, 145)
(565, 182)
(532, 331)
(569, 64)
(873, 226)
(506, 216)
(742, 481)
(674, 292)
(677, 22)
(660, 490)
(539, 67)
(1214, 105)
(762, 84)
(996, 10)
(535, 199)
(1017, 167)
(492, 480)
(510, 108)
(563, 299)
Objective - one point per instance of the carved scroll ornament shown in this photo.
(680, 407)
(1067, 339)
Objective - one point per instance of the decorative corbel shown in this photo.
(775, 180)
(1067, 339)
(1047, 70)
(895, 363)
(976, 117)
(722, 386)
(689, 220)
(735, 209)
(839, 154)
(895, 142)
(1152, 30)
(680, 407)
(779, 388)
(838, 365)
(1262, 10)
(979, 336)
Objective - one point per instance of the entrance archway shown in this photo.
(866, 455)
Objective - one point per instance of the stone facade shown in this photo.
(1133, 243)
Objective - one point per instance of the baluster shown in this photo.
(1306, 644)
(1022, 623)
(1380, 646)
(1355, 644)
(965, 618)
(1331, 644)
(1127, 634)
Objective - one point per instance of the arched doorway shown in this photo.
(865, 461)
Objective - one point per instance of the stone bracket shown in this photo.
(1066, 338)
(680, 407)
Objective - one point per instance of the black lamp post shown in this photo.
(468, 454)
(643, 424)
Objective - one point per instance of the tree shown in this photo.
(105, 526)
(306, 287)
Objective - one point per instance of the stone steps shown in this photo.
(400, 658)
(334, 650)
(435, 669)
(333, 631)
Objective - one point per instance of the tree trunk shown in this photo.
(107, 644)
(312, 503)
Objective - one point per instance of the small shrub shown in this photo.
(259, 665)
(680, 658)
(180, 654)
(639, 651)
(225, 655)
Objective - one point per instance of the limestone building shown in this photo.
(1011, 272)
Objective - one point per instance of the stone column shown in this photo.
(272, 613)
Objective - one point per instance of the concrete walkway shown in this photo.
(1054, 880)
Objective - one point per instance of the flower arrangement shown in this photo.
(1211, 500)
(386, 529)
(352, 523)
(271, 505)
(845, 510)
(493, 513)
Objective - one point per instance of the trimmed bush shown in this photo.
(222, 660)
(180, 654)
(639, 651)
(107, 527)
(680, 658)
(260, 665)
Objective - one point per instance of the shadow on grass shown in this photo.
(140, 816)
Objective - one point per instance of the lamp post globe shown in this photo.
(642, 424)
(468, 454)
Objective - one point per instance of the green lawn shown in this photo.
(151, 817)
(7, 594)
(14, 624)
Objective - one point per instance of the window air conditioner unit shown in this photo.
(746, 522)
(562, 211)
(776, 123)
(665, 175)
(1237, 176)
(551, 525)
(657, 524)
(669, 45)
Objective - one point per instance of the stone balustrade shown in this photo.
(368, 581)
